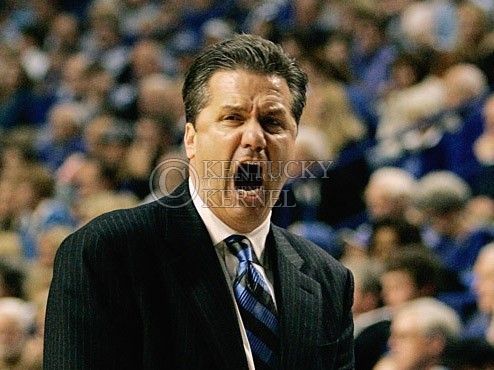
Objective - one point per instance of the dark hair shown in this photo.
(406, 233)
(41, 181)
(248, 52)
(419, 264)
(12, 278)
(418, 62)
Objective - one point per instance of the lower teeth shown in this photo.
(248, 188)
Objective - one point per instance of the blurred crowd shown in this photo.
(398, 127)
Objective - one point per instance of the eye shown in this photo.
(232, 117)
(271, 123)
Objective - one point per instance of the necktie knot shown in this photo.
(241, 247)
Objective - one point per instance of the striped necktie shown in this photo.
(255, 304)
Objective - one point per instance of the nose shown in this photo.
(253, 136)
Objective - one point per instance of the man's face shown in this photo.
(410, 347)
(12, 338)
(489, 116)
(240, 144)
(484, 281)
(379, 203)
(397, 288)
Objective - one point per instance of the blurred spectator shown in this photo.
(404, 131)
(388, 193)
(97, 99)
(37, 209)
(304, 186)
(63, 135)
(136, 17)
(480, 211)
(18, 103)
(16, 319)
(146, 59)
(472, 30)
(371, 320)
(484, 151)
(367, 293)
(468, 354)
(342, 140)
(39, 274)
(429, 24)
(33, 58)
(72, 85)
(12, 279)
(103, 43)
(409, 274)
(390, 235)
(16, 153)
(387, 196)
(63, 36)
(10, 245)
(371, 54)
(442, 197)
(150, 143)
(114, 149)
(95, 132)
(93, 177)
(420, 332)
(159, 99)
(33, 351)
(7, 187)
(481, 324)
(466, 87)
(332, 56)
(216, 30)
(170, 171)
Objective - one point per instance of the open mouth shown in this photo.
(248, 177)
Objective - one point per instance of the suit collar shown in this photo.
(190, 252)
(300, 304)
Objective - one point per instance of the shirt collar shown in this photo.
(219, 231)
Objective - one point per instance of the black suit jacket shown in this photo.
(143, 289)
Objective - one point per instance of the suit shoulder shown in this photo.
(115, 227)
(124, 221)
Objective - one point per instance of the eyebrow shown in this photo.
(233, 107)
(274, 111)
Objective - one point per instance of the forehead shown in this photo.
(227, 87)
(396, 277)
(489, 106)
(485, 262)
(406, 324)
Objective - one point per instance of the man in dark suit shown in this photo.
(201, 279)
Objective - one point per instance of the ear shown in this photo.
(436, 344)
(190, 140)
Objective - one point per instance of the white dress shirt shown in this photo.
(219, 231)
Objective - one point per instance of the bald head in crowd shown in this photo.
(419, 334)
(484, 285)
(388, 193)
(463, 82)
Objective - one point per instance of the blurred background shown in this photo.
(399, 109)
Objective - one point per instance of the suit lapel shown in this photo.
(200, 272)
(300, 308)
